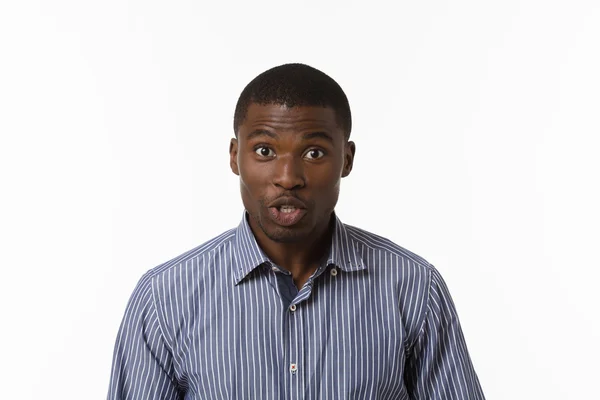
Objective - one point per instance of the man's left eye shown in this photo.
(314, 154)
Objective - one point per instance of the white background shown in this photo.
(476, 126)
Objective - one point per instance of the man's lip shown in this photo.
(288, 201)
(286, 219)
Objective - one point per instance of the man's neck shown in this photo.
(301, 259)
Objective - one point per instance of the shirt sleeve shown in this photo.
(142, 365)
(439, 366)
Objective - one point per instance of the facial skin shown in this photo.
(298, 152)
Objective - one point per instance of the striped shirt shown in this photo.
(222, 321)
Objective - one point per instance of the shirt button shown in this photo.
(292, 309)
(333, 271)
(293, 368)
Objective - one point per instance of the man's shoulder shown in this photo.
(375, 242)
(194, 258)
(396, 270)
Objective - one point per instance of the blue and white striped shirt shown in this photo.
(375, 321)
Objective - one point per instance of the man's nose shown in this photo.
(289, 172)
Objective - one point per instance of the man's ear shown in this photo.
(349, 152)
(233, 152)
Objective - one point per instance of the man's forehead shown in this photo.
(258, 113)
(296, 118)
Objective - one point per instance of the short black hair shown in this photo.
(295, 85)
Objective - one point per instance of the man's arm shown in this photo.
(142, 362)
(439, 366)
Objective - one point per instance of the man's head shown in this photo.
(294, 85)
(292, 125)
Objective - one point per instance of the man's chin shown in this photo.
(283, 234)
(286, 235)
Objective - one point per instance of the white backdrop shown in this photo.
(476, 126)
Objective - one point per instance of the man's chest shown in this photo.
(341, 341)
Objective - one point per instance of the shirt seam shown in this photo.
(421, 330)
(158, 317)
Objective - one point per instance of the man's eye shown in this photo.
(314, 154)
(264, 151)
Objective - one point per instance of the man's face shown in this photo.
(290, 162)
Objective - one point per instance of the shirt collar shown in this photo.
(343, 251)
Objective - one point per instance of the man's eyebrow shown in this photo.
(307, 136)
(260, 132)
(318, 135)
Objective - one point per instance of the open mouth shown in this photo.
(287, 209)
(286, 215)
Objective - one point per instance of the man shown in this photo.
(292, 304)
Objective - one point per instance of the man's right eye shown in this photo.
(264, 151)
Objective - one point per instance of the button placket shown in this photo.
(296, 352)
